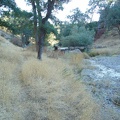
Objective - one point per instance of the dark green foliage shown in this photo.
(113, 17)
(18, 22)
(66, 31)
(110, 16)
(49, 28)
(41, 25)
(91, 26)
(8, 25)
(78, 37)
(78, 17)
(8, 3)
(109, 13)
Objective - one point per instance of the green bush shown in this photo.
(81, 38)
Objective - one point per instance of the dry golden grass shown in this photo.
(107, 45)
(76, 58)
(34, 69)
(2, 39)
(31, 89)
(104, 51)
(96, 52)
(85, 55)
(28, 54)
(6, 69)
(10, 59)
(10, 56)
(53, 83)
(32, 48)
(6, 73)
(8, 52)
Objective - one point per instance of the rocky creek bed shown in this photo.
(103, 80)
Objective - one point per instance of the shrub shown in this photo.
(81, 38)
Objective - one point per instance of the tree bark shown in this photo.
(118, 27)
(35, 23)
(41, 22)
(39, 31)
(41, 44)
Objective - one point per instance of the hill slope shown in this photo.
(108, 44)
(44, 90)
(37, 90)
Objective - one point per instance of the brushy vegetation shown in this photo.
(78, 36)
(48, 89)
(96, 52)
(53, 82)
(107, 45)
(32, 89)
(104, 51)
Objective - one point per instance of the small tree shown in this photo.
(42, 11)
(113, 17)
(78, 37)
(8, 3)
(18, 22)
(78, 17)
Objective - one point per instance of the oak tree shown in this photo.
(43, 10)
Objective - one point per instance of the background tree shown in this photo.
(8, 3)
(113, 17)
(78, 36)
(77, 32)
(78, 17)
(91, 25)
(109, 14)
(42, 11)
(19, 23)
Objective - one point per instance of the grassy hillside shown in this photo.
(37, 90)
(108, 44)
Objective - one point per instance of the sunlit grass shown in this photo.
(104, 52)
(96, 52)
(47, 89)
(54, 80)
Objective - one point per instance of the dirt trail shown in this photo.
(42, 90)
(58, 98)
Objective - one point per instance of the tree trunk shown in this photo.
(41, 44)
(118, 27)
(35, 23)
(23, 40)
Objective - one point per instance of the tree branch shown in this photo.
(49, 10)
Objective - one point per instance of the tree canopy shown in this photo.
(42, 11)
(42, 21)
(8, 3)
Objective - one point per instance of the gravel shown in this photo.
(112, 62)
(103, 80)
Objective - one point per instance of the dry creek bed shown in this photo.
(103, 80)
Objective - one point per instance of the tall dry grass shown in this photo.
(39, 90)
(76, 60)
(8, 52)
(104, 51)
(48, 89)
(106, 45)
(96, 52)
(56, 91)
(6, 72)
(34, 69)
(10, 90)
